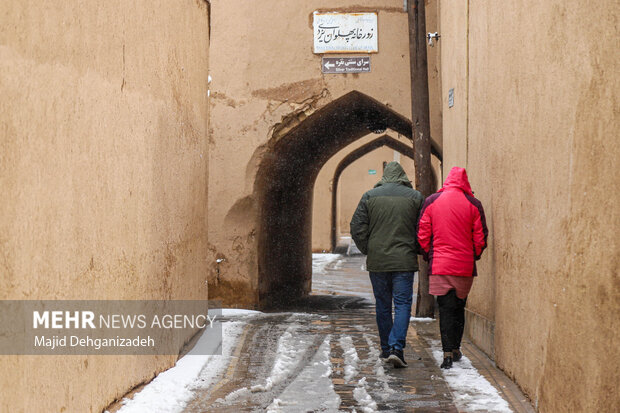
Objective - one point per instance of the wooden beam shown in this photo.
(421, 131)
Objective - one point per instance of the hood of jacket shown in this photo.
(457, 179)
(394, 173)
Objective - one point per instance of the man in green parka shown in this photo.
(384, 228)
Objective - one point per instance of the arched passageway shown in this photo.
(284, 185)
(384, 140)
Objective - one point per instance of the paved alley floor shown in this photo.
(323, 356)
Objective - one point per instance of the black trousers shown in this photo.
(451, 320)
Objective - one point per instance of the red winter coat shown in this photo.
(452, 230)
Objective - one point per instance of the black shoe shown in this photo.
(456, 355)
(397, 359)
(447, 363)
(384, 356)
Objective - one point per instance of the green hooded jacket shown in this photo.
(384, 223)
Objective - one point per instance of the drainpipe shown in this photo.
(421, 131)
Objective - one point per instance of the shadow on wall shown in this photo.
(284, 185)
(384, 140)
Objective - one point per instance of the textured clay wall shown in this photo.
(453, 52)
(536, 124)
(433, 56)
(103, 170)
(265, 75)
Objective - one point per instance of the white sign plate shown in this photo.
(345, 32)
(345, 64)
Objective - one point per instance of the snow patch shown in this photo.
(422, 319)
(364, 400)
(293, 316)
(350, 358)
(312, 390)
(231, 397)
(380, 375)
(275, 406)
(170, 391)
(320, 261)
(230, 312)
(472, 392)
(291, 348)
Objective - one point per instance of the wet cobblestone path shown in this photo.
(324, 356)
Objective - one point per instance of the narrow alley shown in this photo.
(201, 198)
(323, 355)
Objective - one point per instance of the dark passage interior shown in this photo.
(284, 188)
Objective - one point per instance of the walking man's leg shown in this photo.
(402, 292)
(382, 289)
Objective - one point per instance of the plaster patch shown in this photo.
(296, 92)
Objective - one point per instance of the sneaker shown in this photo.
(397, 359)
(456, 355)
(385, 354)
(447, 363)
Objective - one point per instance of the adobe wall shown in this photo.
(535, 121)
(103, 170)
(265, 75)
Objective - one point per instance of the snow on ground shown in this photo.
(232, 312)
(364, 400)
(312, 389)
(338, 264)
(422, 319)
(353, 250)
(357, 288)
(290, 351)
(320, 261)
(472, 392)
(343, 282)
(233, 396)
(379, 370)
(350, 358)
(170, 391)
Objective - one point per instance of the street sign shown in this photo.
(359, 64)
(345, 32)
(372, 172)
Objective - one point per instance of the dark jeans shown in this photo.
(399, 287)
(451, 320)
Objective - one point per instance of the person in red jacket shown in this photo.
(452, 232)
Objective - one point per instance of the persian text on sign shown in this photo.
(345, 64)
(345, 32)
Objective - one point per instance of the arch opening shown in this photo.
(284, 188)
(384, 140)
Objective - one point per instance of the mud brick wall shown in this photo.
(103, 172)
